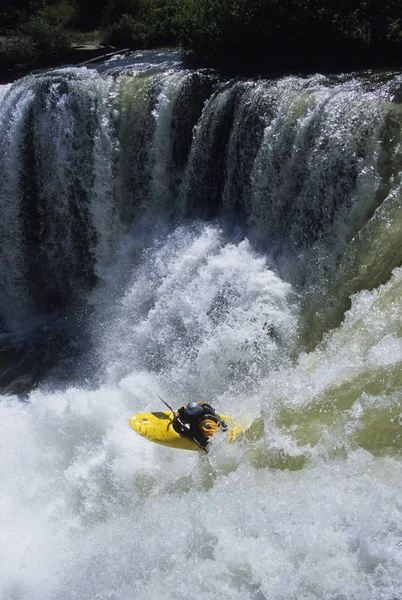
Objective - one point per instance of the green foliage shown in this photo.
(257, 28)
(161, 22)
(14, 12)
(242, 31)
(47, 38)
(140, 23)
(20, 51)
(88, 13)
(40, 34)
(127, 32)
(60, 13)
(114, 10)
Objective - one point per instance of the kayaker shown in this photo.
(198, 421)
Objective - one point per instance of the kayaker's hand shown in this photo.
(183, 426)
(223, 425)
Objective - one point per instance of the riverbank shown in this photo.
(266, 66)
(78, 53)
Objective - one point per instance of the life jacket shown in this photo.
(208, 413)
(202, 426)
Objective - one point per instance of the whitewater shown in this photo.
(171, 232)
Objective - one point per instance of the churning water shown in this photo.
(166, 231)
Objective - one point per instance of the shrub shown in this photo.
(127, 32)
(20, 50)
(116, 10)
(59, 13)
(161, 21)
(141, 23)
(47, 38)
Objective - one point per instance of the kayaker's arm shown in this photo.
(176, 417)
(185, 428)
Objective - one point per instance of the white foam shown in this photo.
(90, 510)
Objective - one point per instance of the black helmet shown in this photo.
(193, 409)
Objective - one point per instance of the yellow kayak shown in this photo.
(158, 427)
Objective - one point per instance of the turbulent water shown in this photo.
(169, 231)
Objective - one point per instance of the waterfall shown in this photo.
(173, 232)
(302, 165)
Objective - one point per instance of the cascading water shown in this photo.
(165, 231)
